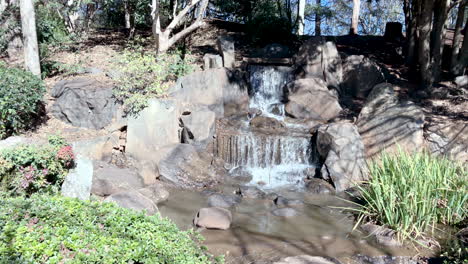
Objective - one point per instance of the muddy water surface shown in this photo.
(258, 236)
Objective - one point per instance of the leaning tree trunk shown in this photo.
(355, 19)
(457, 38)
(318, 18)
(462, 62)
(301, 17)
(28, 27)
(424, 42)
(163, 37)
(438, 32)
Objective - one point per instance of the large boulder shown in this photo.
(199, 124)
(342, 150)
(98, 148)
(219, 90)
(223, 200)
(360, 75)
(133, 200)
(448, 138)
(385, 123)
(84, 103)
(184, 167)
(109, 179)
(311, 99)
(213, 218)
(319, 58)
(156, 127)
(78, 182)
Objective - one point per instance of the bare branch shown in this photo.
(181, 15)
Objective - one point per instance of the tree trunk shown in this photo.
(462, 62)
(441, 9)
(163, 37)
(318, 18)
(28, 27)
(424, 42)
(457, 38)
(127, 14)
(412, 34)
(301, 17)
(355, 19)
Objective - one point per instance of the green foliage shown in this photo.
(20, 98)
(455, 252)
(51, 28)
(412, 193)
(30, 168)
(48, 229)
(144, 75)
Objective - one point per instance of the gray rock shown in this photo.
(84, 103)
(200, 124)
(218, 90)
(77, 183)
(213, 218)
(155, 192)
(383, 235)
(264, 122)
(212, 61)
(282, 202)
(274, 50)
(387, 124)
(305, 259)
(184, 167)
(448, 138)
(14, 141)
(340, 145)
(156, 127)
(251, 192)
(462, 81)
(285, 212)
(98, 148)
(311, 99)
(319, 186)
(241, 174)
(223, 200)
(133, 200)
(360, 75)
(319, 58)
(93, 70)
(226, 49)
(109, 179)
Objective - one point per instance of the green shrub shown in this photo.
(412, 193)
(20, 98)
(30, 168)
(47, 229)
(144, 75)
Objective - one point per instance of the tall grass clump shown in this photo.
(413, 193)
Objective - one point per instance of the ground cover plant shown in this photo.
(415, 193)
(54, 229)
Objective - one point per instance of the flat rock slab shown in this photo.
(110, 179)
(78, 182)
(134, 200)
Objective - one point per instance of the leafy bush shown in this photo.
(47, 229)
(20, 98)
(30, 168)
(411, 193)
(143, 75)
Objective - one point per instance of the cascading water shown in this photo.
(267, 84)
(275, 158)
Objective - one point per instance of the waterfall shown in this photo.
(274, 157)
(267, 84)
